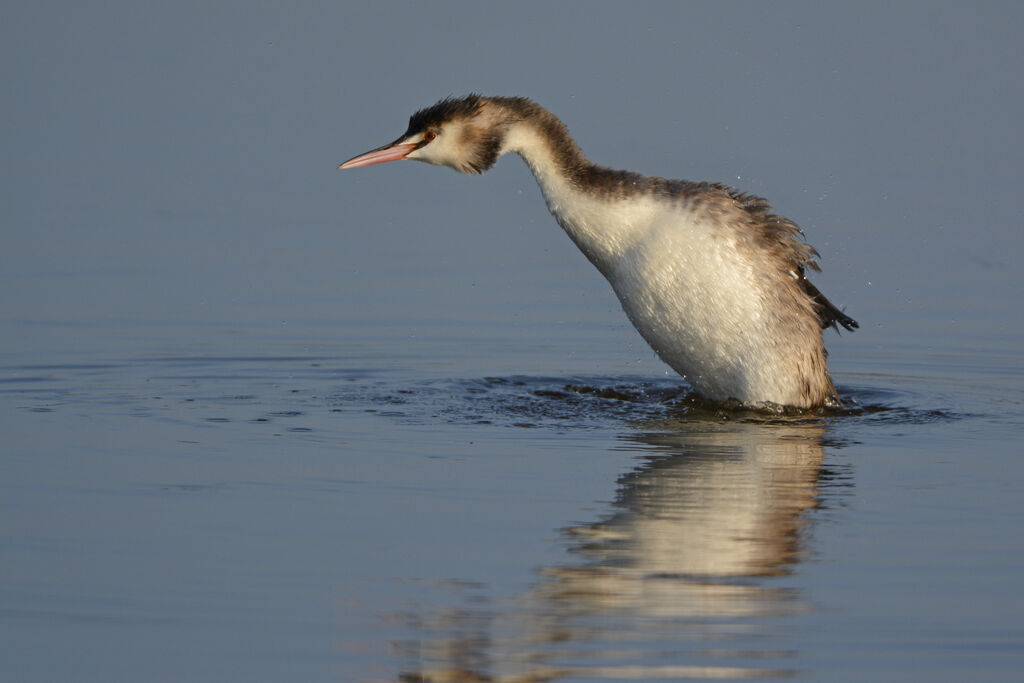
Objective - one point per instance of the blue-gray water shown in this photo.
(262, 420)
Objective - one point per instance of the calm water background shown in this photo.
(265, 421)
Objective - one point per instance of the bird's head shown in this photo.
(465, 134)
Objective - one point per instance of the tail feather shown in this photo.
(829, 315)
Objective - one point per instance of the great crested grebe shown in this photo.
(709, 276)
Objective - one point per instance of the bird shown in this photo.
(712, 279)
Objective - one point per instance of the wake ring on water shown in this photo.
(590, 402)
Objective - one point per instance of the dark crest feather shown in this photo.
(445, 110)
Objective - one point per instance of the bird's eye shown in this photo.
(429, 135)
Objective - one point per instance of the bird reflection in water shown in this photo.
(684, 578)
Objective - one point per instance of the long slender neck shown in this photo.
(592, 204)
(543, 141)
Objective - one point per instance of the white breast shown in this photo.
(683, 284)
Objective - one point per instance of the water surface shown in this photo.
(315, 516)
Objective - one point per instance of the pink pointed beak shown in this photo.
(390, 152)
